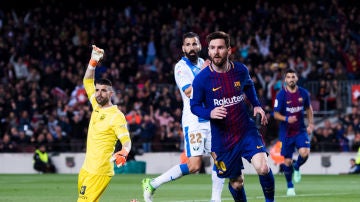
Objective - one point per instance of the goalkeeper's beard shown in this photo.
(102, 100)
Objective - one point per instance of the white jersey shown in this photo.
(197, 135)
(185, 73)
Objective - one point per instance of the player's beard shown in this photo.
(219, 61)
(102, 100)
(192, 56)
(291, 85)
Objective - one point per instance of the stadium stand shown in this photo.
(44, 47)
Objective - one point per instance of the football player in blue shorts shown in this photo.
(290, 104)
(220, 94)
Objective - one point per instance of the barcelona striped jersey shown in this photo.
(230, 89)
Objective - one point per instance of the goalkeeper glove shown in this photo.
(120, 157)
(96, 55)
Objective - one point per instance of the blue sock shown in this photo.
(299, 162)
(268, 186)
(184, 169)
(238, 195)
(288, 171)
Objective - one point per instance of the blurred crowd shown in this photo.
(45, 47)
(343, 134)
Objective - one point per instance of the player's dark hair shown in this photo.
(219, 35)
(190, 35)
(290, 71)
(106, 82)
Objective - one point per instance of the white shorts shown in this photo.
(197, 142)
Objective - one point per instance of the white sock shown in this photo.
(171, 174)
(217, 187)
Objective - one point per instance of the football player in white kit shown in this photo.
(197, 133)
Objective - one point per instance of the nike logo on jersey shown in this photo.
(215, 89)
(259, 147)
(288, 102)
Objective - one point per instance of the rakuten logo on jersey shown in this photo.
(294, 109)
(228, 101)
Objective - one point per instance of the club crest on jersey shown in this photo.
(82, 190)
(237, 85)
(300, 99)
(178, 72)
(102, 117)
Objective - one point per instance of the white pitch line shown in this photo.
(260, 197)
(306, 195)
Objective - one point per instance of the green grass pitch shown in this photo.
(194, 188)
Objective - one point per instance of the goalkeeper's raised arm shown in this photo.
(96, 55)
(107, 126)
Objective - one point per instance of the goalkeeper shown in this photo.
(107, 125)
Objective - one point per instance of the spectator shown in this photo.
(148, 130)
(315, 139)
(20, 67)
(356, 143)
(52, 122)
(171, 138)
(41, 138)
(61, 140)
(323, 93)
(77, 133)
(49, 141)
(23, 141)
(151, 50)
(342, 137)
(328, 141)
(7, 145)
(42, 160)
(163, 117)
(354, 167)
(263, 44)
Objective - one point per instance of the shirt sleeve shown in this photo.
(120, 127)
(90, 90)
(278, 101)
(182, 76)
(197, 100)
(249, 88)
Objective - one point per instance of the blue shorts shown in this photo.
(290, 143)
(230, 163)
